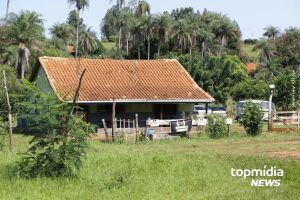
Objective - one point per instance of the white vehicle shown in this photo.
(219, 110)
(264, 105)
(200, 110)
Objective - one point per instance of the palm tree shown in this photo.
(128, 22)
(182, 34)
(7, 10)
(80, 5)
(142, 8)
(147, 26)
(222, 28)
(120, 3)
(26, 30)
(271, 32)
(162, 28)
(63, 31)
(267, 50)
(88, 40)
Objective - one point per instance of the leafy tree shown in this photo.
(26, 30)
(267, 50)
(271, 32)
(142, 8)
(162, 28)
(80, 5)
(288, 49)
(251, 119)
(216, 127)
(283, 96)
(63, 31)
(15, 91)
(88, 41)
(60, 140)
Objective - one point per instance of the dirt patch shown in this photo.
(285, 154)
(282, 142)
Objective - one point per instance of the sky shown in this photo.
(252, 15)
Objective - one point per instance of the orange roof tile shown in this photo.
(123, 80)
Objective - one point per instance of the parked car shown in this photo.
(219, 110)
(264, 105)
(200, 110)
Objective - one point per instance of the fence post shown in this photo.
(136, 127)
(113, 120)
(298, 126)
(105, 130)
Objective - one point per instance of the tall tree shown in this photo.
(271, 32)
(63, 31)
(25, 30)
(88, 41)
(182, 35)
(147, 26)
(267, 50)
(142, 8)
(162, 28)
(7, 10)
(80, 5)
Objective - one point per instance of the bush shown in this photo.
(3, 133)
(61, 142)
(216, 127)
(251, 119)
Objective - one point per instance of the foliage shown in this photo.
(15, 91)
(283, 96)
(3, 133)
(216, 127)
(251, 119)
(230, 107)
(60, 140)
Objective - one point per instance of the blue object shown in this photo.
(150, 132)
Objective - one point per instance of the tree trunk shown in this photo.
(9, 112)
(158, 50)
(127, 44)
(190, 51)
(222, 44)
(148, 39)
(7, 10)
(120, 37)
(77, 33)
(202, 49)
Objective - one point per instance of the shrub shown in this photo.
(251, 119)
(61, 142)
(216, 127)
(3, 133)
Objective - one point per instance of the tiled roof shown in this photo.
(123, 80)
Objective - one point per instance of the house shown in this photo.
(159, 89)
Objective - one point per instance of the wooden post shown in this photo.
(120, 124)
(9, 113)
(113, 120)
(124, 129)
(105, 130)
(298, 125)
(136, 127)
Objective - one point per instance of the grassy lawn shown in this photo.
(247, 50)
(197, 168)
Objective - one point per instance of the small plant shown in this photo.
(3, 133)
(251, 119)
(60, 139)
(216, 127)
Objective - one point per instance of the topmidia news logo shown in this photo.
(265, 177)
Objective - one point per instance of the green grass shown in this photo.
(197, 168)
(247, 50)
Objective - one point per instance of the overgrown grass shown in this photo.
(197, 168)
(247, 50)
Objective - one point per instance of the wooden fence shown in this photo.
(289, 119)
